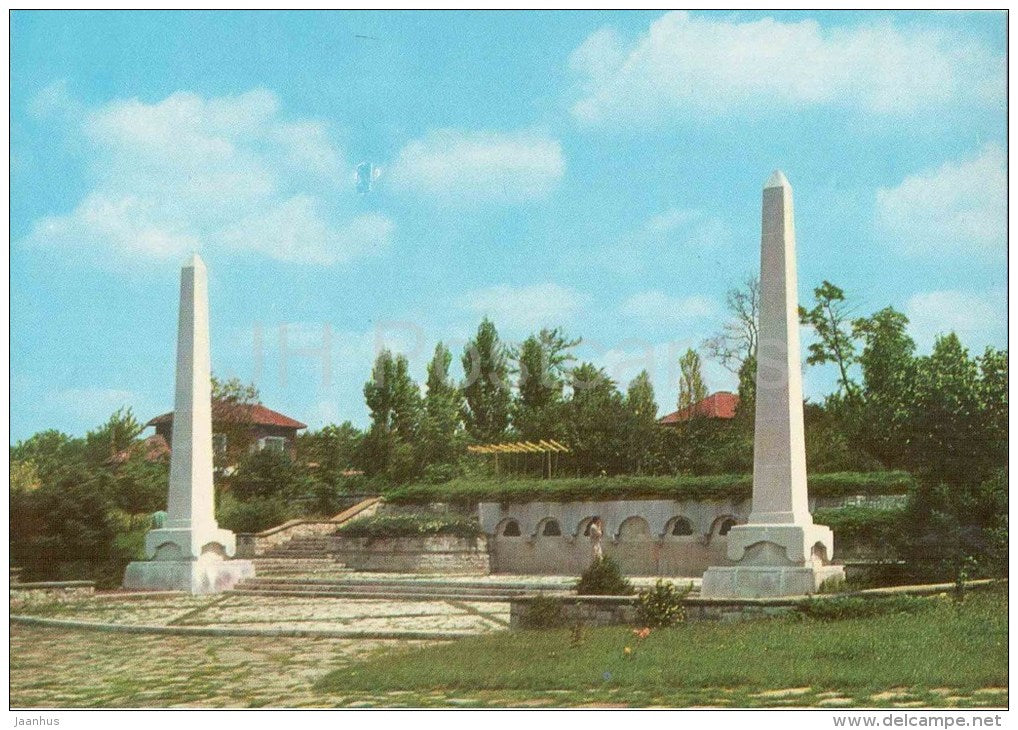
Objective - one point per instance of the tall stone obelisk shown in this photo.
(189, 552)
(779, 552)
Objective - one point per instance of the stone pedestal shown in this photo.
(209, 574)
(190, 551)
(779, 552)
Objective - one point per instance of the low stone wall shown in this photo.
(438, 554)
(253, 545)
(31, 594)
(621, 610)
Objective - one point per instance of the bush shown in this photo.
(725, 486)
(544, 612)
(856, 524)
(253, 515)
(413, 525)
(604, 578)
(661, 605)
(845, 607)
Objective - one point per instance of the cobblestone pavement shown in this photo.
(285, 612)
(72, 668)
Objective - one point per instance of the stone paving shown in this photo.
(273, 613)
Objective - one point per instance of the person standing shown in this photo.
(596, 532)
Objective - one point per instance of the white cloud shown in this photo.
(978, 319)
(691, 65)
(656, 307)
(226, 172)
(959, 208)
(471, 167)
(93, 405)
(524, 308)
(675, 231)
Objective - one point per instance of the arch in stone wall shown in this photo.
(583, 528)
(634, 528)
(548, 527)
(509, 527)
(678, 526)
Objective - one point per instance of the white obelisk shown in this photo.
(189, 552)
(780, 551)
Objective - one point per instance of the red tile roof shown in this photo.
(258, 414)
(717, 405)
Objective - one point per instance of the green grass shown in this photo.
(724, 486)
(961, 647)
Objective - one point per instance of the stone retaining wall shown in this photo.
(439, 554)
(253, 545)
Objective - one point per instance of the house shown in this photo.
(269, 429)
(719, 405)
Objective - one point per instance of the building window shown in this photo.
(511, 529)
(551, 529)
(273, 443)
(681, 527)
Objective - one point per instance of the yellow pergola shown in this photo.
(550, 448)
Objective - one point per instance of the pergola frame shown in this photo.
(550, 448)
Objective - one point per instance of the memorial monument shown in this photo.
(190, 551)
(779, 551)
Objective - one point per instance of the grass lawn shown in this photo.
(945, 654)
(722, 486)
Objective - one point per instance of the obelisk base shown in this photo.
(208, 574)
(772, 561)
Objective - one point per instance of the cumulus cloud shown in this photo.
(979, 319)
(188, 172)
(960, 207)
(92, 405)
(694, 65)
(524, 308)
(656, 307)
(453, 166)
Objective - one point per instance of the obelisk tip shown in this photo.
(777, 180)
(194, 261)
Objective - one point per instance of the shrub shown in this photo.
(662, 605)
(544, 612)
(724, 486)
(845, 607)
(412, 525)
(253, 515)
(604, 578)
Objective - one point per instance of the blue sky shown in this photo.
(599, 171)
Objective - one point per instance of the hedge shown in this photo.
(854, 524)
(726, 486)
(423, 525)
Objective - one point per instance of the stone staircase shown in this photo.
(397, 588)
(291, 566)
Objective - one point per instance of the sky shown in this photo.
(598, 171)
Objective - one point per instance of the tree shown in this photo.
(887, 361)
(691, 386)
(486, 387)
(443, 406)
(829, 319)
(737, 340)
(395, 404)
(641, 422)
(596, 418)
(114, 437)
(232, 401)
(541, 370)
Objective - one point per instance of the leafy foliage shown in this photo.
(410, 525)
(838, 608)
(724, 486)
(604, 578)
(486, 388)
(691, 386)
(661, 605)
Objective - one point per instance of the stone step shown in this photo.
(411, 583)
